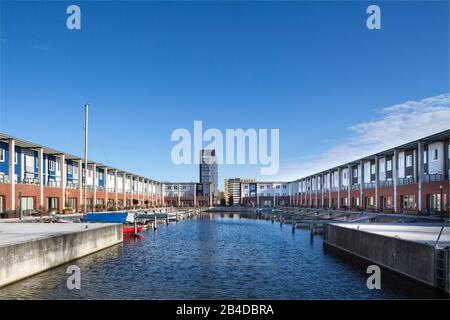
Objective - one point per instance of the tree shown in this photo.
(230, 200)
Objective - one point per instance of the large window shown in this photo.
(386, 202)
(52, 203)
(400, 162)
(436, 202)
(409, 202)
(409, 160)
(27, 203)
(382, 167)
(51, 165)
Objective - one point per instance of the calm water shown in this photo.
(218, 257)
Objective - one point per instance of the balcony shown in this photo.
(433, 177)
(369, 185)
(4, 178)
(32, 181)
(344, 188)
(386, 183)
(72, 185)
(110, 189)
(406, 181)
(355, 187)
(54, 184)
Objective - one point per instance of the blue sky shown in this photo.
(311, 69)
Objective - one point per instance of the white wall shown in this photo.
(436, 166)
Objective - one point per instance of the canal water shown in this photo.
(218, 257)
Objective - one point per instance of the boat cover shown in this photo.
(107, 217)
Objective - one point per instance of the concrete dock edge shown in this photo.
(24, 259)
(411, 259)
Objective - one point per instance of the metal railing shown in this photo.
(55, 184)
(355, 187)
(433, 177)
(72, 185)
(405, 181)
(369, 185)
(28, 181)
(4, 178)
(386, 183)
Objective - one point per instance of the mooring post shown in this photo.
(135, 224)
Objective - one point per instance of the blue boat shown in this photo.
(108, 217)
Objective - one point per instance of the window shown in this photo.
(386, 202)
(400, 162)
(425, 158)
(435, 154)
(409, 160)
(51, 165)
(2, 203)
(15, 157)
(409, 202)
(436, 203)
(355, 173)
(345, 175)
(382, 168)
(100, 175)
(2, 156)
(372, 168)
(26, 203)
(389, 165)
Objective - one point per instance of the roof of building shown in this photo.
(47, 150)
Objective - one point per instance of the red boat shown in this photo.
(130, 229)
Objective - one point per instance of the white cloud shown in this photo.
(396, 125)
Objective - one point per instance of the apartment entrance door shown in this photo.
(26, 203)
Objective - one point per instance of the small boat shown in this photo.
(130, 229)
(124, 218)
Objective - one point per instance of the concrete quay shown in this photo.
(419, 251)
(30, 248)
